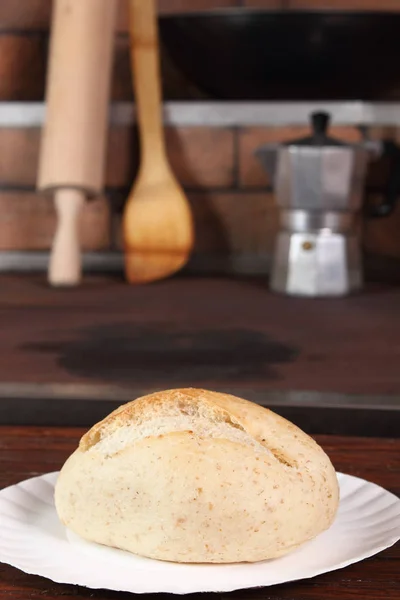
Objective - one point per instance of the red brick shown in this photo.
(28, 221)
(19, 153)
(202, 157)
(25, 14)
(251, 173)
(234, 222)
(23, 62)
(122, 87)
(122, 157)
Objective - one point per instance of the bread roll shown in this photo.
(196, 476)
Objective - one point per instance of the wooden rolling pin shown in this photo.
(74, 138)
(157, 221)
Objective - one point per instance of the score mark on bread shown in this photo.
(192, 475)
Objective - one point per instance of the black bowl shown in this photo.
(244, 54)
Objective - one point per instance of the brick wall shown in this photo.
(229, 193)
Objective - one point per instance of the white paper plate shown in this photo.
(33, 540)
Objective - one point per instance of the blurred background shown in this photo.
(235, 213)
(70, 355)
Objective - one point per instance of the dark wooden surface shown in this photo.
(200, 332)
(316, 413)
(26, 452)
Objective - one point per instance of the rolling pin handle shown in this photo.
(65, 267)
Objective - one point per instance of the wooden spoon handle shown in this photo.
(146, 71)
(65, 258)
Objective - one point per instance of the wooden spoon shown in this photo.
(157, 222)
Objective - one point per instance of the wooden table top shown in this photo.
(30, 451)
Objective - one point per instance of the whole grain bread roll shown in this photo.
(191, 475)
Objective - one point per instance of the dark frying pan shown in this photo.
(244, 54)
